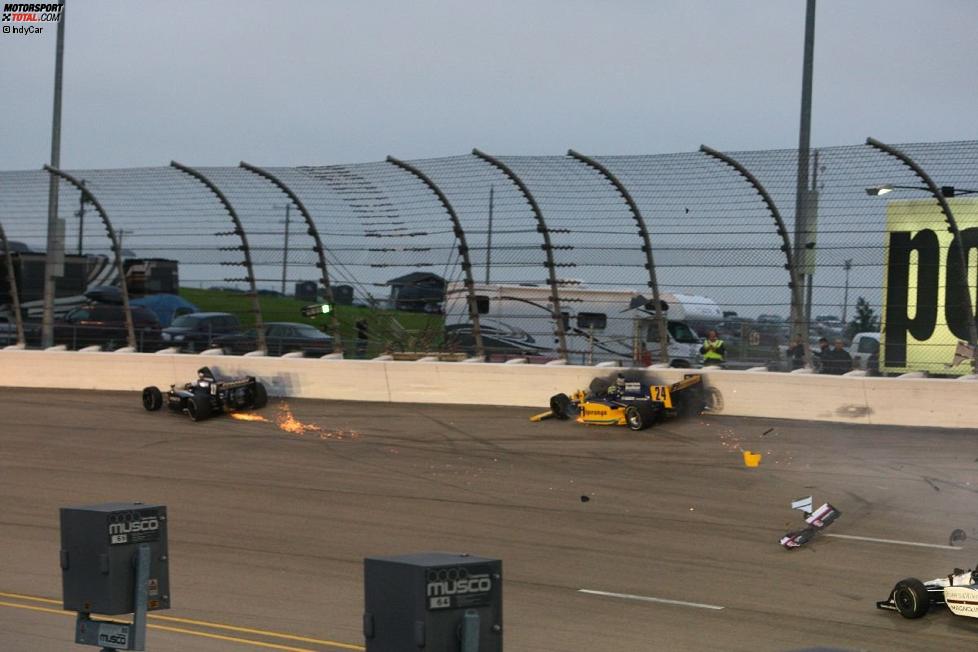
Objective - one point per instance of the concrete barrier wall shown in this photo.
(892, 401)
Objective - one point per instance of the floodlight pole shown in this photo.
(802, 195)
(54, 254)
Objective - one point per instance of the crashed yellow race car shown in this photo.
(635, 404)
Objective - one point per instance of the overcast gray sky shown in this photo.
(326, 81)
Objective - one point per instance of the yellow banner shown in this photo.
(924, 316)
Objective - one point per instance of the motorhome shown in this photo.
(80, 273)
(599, 324)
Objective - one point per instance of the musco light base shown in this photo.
(114, 560)
(433, 601)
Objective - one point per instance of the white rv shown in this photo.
(599, 325)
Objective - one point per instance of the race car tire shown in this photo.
(639, 417)
(692, 402)
(561, 406)
(599, 386)
(911, 598)
(198, 407)
(152, 399)
(259, 397)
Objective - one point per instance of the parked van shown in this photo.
(863, 347)
(600, 325)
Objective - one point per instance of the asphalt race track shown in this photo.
(268, 529)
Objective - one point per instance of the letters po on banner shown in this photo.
(924, 316)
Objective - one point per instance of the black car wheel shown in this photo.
(911, 598)
(639, 417)
(198, 407)
(691, 402)
(561, 406)
(152, 399)
(259, 397)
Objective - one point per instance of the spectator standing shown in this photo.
(819, 356)
(713, 350)
(796, 354)
(837, 361)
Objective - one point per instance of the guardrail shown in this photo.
(846, 399)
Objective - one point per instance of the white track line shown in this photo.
(645, 598)
(899, 543)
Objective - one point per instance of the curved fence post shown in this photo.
(334, 322)
(800, 327)
(463, 249)
(116, 249)
(646, 246)
(547, 247)
(14, 295)
(240, 232)
(952, 226)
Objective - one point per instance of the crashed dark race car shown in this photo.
(208, 396)
(912, 598)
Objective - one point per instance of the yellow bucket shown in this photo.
(752, 460)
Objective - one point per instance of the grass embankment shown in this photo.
(389, 330)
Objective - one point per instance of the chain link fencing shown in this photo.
(579, 258)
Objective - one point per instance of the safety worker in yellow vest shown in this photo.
(713, 350)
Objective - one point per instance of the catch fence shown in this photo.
(581, 258)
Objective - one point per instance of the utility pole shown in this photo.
(847, 265)
(80, 214)
(489, 235)
(285, 246)
(54, 256)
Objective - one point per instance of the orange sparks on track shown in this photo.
(286, 421)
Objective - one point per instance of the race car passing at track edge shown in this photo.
(207, 396)
(913, 598)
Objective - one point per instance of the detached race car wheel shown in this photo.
(152, 399)
(561, 406)
(911, 598)
(198, 407)
(639, 417)
(259, 398)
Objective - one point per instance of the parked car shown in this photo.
(8, 331)
(280, 338)
(199, 330)
(865, 346)
(104, 325)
